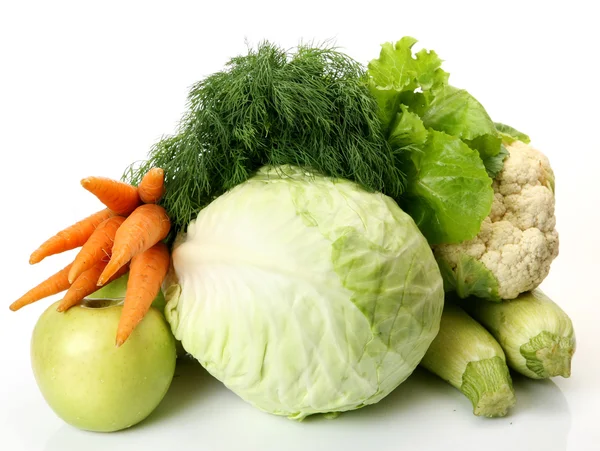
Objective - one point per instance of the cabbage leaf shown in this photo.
(304, 294)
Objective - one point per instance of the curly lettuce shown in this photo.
(443, 139)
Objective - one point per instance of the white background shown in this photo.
(87, 87)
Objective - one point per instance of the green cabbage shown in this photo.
(304, 294)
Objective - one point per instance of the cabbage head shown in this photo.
(304, 294)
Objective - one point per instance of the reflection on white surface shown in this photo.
(424, 413)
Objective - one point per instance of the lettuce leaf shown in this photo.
(459, 114)
(444, 140)
(396, 73)
(448, 192)
(396, 69)
(408, 129)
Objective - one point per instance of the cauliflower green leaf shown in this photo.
(494, 164)
(470, 277)
(510, 134)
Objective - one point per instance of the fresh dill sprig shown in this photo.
(309, 108)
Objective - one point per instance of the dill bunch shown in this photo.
(309, 108)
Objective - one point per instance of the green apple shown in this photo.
(117, 289)
(88, 381)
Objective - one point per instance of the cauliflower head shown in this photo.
(517, 242)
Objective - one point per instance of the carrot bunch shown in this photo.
(125, 236)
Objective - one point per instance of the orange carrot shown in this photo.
(71, 237)
(86, 284)
(146, 273)
(146, 226)
(52, 285)
(120, 197)
(98, 246)
(152, 186)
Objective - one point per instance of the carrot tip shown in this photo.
(104, 277)
(109, 271)
(72, 277)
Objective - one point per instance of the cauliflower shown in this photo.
(517, 242)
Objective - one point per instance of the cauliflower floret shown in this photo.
(518, 240)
